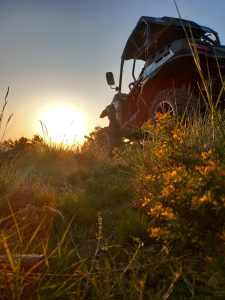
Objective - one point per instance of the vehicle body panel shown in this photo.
(167, 47)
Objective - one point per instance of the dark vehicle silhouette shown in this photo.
(182, 63)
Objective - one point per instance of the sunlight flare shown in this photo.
(62, 123)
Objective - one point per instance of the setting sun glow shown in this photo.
(63, 124)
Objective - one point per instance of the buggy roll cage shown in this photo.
(148, 31)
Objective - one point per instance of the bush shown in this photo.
(180, 180)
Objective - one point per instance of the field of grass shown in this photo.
(147, 224)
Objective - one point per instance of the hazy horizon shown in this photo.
(55, 54)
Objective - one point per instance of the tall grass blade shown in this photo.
(3, 107)
(6, 126)
(15, 222)
(9, 255)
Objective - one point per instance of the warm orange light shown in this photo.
(63, 124)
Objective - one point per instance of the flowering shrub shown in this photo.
(181, 182)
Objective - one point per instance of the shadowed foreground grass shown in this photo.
(147, 224)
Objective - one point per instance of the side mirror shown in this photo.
(110, 78)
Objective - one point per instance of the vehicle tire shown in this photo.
(175, 101)
(106, 142)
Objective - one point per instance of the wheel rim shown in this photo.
(104, 144)
(165, 107)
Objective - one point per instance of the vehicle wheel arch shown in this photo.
(106, 141)
(178, 101)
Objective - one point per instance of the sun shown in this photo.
(63, 123)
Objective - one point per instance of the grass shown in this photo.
(147, 224)
(150, 227)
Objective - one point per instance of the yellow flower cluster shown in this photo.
(223, 200)
(168, 190)
(159, 211)
(156, 210)
(145, 202)
(158, 232)
(162, 151)
(222, 235)
(170, 178)
(173, 176)
(139, 285)
(154, 231)
(185, 185)
(207, 197)
(206, 154)
(210, 169)
(150, 177)
(162, 123)
(163, 118)
(178, 135)
(149, 127)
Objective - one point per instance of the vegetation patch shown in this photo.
(147, 223)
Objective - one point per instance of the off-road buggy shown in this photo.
(183, 65)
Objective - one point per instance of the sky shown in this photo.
(54, 55)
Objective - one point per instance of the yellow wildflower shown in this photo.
(198, 168)
(174, 136)
(162, 117)
(206, 197)
(210, 169)
(154, 231)
(194, 201)
(208, 259)
(215, 203)
(145, 202)
(168, 213)
(178, 135)
(156, 210)
(205, 155)
(141, 283)
(173, 174)
(223, 199)
(222, 236)
(160, 153)
(168, 176)
(167, 190)
(150, 177)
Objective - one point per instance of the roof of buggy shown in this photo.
(138, 36)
